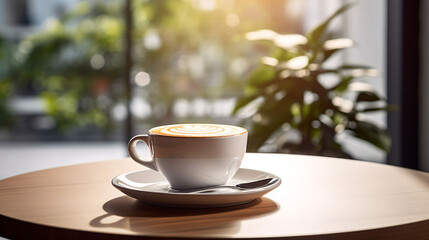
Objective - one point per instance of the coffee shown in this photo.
(198, 130)
(193, 155)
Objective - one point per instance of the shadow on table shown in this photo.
(128, 213)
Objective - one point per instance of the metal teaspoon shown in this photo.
(241, 186)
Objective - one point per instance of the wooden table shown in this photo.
(319, 198)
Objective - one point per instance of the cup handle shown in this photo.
(132, 144)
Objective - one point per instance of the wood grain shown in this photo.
(320, 198)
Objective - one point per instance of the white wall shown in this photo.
(366, 24)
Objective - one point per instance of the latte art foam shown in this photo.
(198, 130)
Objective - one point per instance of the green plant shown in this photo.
(75, 63)
(287, 94)
(5, 82)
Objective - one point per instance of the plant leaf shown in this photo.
(315, 35)
(371, 133)
(243, 101)
(353, 66)
(262, 75)
(366, 96)
(343, 84)
(385, 108)
(273, 113)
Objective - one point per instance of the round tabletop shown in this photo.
(319, 198)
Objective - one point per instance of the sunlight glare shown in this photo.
(97, 61)
(270, 61)
(285, 74)
(199, 107)
(340, 128)
(338, 43)
(360, 86)
(140, 108)
(372, 72)
(345, 105)
(119, 112)
(297, 63)
(302, 73)
(142, 79)
(152, 40)
(205, 5)
(263, 34)
(361, 117)
(181, 108)
(287, 41)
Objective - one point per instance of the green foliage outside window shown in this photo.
(75, 64)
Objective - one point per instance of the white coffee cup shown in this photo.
(193, 155)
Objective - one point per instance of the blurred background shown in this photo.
(79, 78)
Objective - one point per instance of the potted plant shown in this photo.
(288, 96)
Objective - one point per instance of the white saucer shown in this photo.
(151, 187)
